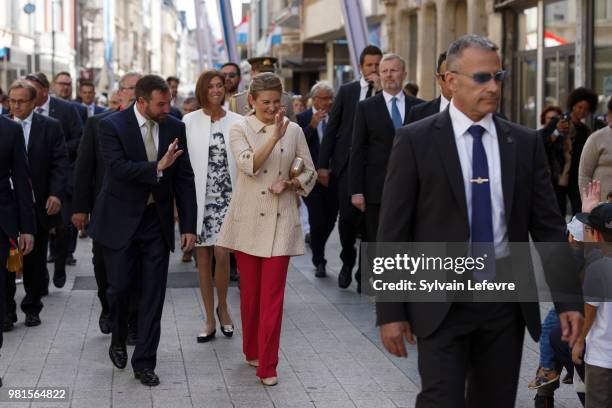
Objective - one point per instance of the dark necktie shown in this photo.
(396, 116)
(482, 212)
(370, 90)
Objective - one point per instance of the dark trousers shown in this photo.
(144, 262)
(350, 223)
(65, 241)
(573, 193)
(322, 203)
(100, 273)
(473, 359)
(372, 213)
(563, 354)
(34, 278)
(5, 247)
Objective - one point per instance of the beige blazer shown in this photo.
(258, 222)
(197, 127)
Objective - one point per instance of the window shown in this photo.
(528, 29)
(559, 23)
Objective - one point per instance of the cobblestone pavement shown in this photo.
(330, 353)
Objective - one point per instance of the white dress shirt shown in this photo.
(91, 109)
(45, 107)
(27, 125)
(401, 103)
(320, 125)
(443, 102)
(464, 140)
(364, 89)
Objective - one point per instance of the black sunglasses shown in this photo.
(484, 77)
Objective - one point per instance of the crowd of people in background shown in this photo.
(246, 173)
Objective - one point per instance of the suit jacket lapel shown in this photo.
(381, 105)
(445, 140)
(507, 153)
(34, 129)
(134, 137)
(164, 140)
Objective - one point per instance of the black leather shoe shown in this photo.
(59, 278)
(345, 278)
(32, 320)
(70, 260)
(118, 355)
(205, 338)
(320, 273)
(132, 336)
(104, 322)
(147, 377)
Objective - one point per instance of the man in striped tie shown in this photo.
(467, 176)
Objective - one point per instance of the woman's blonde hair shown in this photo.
(266, 81)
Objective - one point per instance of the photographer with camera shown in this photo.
(580, 103)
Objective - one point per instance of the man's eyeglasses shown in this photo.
(230, 75)
(484, 77)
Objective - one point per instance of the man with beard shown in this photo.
(376, 121)
(88, 177)
(148, 169)
(62, 88)
(231, 73)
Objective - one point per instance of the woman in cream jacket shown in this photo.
(262, 225)
(215, 174)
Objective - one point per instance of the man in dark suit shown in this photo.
(376, 121)
(48, 159)
(322, 202)
(475, 178)
(334, 151)
(62, 88)
(17, 219)
(64, 244)
(133, 218)
(88, 177)
(438, 104)
(87, 93)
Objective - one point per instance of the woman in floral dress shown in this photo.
(214, 168)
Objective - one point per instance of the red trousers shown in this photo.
(262, 291)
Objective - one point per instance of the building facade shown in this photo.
(40, 35)
(552, 47)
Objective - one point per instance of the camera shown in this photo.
(565, 116)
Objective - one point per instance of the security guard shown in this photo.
(239, 103)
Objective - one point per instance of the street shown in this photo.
(330, 353)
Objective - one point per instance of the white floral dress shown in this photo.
(218, 188)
